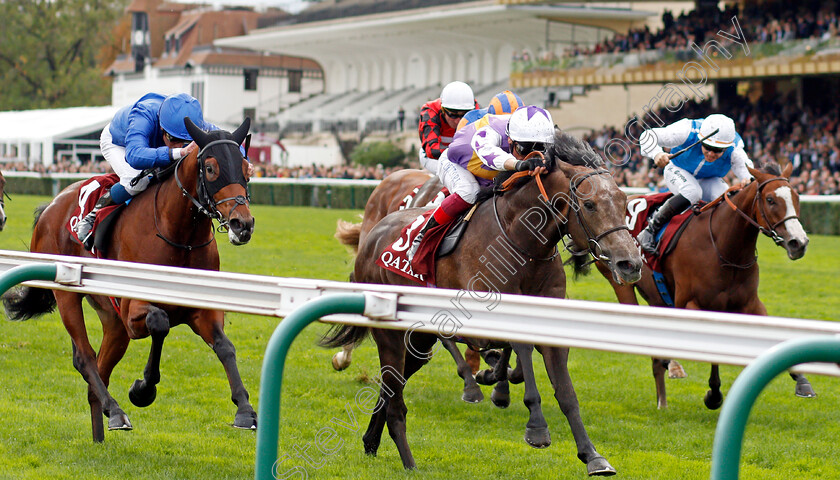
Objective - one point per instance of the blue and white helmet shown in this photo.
(531, 124)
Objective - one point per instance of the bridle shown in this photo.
(593, 240)
(757, 205)
(205, 203)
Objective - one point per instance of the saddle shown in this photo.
(638, 212)
(89, 194)
(438, 242)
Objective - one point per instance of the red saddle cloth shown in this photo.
(422, 268)
(91, 191)
(638, 211)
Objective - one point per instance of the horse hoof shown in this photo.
(485, 377)
(337, 364)
(599, 467)
(472, 394)
(492, 357)
(141, 394)
(245, 421)
(537, 437)
(501, 400)
(675, 370)
(713, 400)
(805, 391)
(119, 422)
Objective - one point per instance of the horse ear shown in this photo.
(199, 135)
(242, 131)
(754, 172)
(788, 170)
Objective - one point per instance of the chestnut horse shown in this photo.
(170, 225)
(714, 267)
(592, 197)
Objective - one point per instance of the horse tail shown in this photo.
(27, 302)
(38, 211)
(349, 233)
(580, 265)
(340, 335)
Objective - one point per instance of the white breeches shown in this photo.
(680, 180)
(458, 179)
(115, 156)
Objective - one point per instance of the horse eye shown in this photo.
(771, 200)
(589, 205)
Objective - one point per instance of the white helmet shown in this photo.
(531, 124)
(725, 136)
(457, 96)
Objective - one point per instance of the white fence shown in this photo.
(661, 332)
(356, 183)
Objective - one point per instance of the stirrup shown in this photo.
(415, 245)
(84, 230)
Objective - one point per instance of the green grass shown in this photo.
(185, 434)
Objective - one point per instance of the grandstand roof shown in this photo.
(479, 29)
(45, 125)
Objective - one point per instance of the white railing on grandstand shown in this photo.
(660, 332)
(337, 182)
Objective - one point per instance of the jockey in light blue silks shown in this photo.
(697, 174)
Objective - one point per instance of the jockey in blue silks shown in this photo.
(147, 134)
(696, 174)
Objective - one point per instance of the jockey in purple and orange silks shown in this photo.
(480, 151)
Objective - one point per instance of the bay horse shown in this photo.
(171, 225)
(574, 189)
(714, 266)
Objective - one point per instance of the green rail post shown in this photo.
(25, 273)
(272, 370)
(729, 435)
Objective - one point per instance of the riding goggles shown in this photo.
(455, 113)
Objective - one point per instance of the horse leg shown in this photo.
(557, 366)
(714, 398)
(143, 392)
(501, 392)
(84, 360)
(803, 386)
(472, 392)
(114, 344)
(536, 430)
(659, 369)
(396, 368)
(473, 359)
(210, 326)
(342, 359)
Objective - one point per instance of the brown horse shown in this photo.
(714, 267)
(171, 225)
(528, 230)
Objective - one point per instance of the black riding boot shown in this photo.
(85, 226)
(416, 243)
(673, 206)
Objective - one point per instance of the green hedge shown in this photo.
(817, 218)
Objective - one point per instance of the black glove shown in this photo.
(529, 165)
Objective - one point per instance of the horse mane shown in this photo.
(771, 167)
(566, 148)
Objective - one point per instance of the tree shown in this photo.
(51, 52)
(373, 153)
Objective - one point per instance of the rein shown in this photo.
(756, 205)
(594, 247)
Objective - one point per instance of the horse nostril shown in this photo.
(794, 245)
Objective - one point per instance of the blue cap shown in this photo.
(172, 113)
